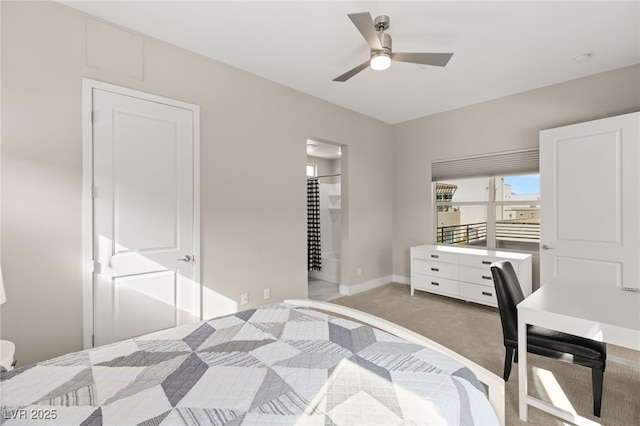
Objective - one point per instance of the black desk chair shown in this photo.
(542, 341)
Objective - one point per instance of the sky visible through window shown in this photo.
(524, 184)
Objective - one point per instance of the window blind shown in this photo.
(498, 164)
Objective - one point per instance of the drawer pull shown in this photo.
(435, 269)
(434, 283)
(485, 277)
(486, 262)
(435, 256)
(486, 293)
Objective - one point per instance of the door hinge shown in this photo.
(93, 340)
(93, 117)
(93, 191)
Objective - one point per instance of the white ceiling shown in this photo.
(500, 48)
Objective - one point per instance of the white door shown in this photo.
(590, 187)
(143, 217)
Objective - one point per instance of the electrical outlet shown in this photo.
(244, 298)
(359, 271)
(267, 293)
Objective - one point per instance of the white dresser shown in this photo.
(464, 273)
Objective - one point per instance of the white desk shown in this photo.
(600, 312)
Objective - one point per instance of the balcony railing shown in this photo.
(476, 233)
(471, 233)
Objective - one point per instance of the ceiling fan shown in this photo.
(380, 44)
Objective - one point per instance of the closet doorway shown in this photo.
(325, 201)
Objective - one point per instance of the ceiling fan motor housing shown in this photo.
(385, 40)
(381, 23)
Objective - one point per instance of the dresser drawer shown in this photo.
(483, 262)
(437, 269)
(481, 293)
(476, 275)
(437, 256)
(435, 285)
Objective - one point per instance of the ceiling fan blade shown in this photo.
(364, 24)
(347, 75)
(437, 59)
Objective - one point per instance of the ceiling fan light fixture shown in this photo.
(380, 61)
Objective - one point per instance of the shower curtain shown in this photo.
(314, 261)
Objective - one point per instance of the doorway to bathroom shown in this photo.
(324, 219)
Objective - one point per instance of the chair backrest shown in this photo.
(509, 294)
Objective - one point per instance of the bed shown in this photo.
(285, 363)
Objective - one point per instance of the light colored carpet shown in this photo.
(475, 332)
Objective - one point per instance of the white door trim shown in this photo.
(88, 85)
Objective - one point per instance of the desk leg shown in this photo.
(522, 367)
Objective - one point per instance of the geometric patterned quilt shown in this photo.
(278, 364)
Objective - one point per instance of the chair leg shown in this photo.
(507, 363)
(597, 378)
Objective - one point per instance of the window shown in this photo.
(495, 212)
(489, 200)
(312, 170)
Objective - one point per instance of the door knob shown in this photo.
(186, 258)
(546, 247)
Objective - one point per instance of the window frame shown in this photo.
(490, 205)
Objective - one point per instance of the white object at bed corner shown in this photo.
(494, 383)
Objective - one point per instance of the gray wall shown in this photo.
(252, 131)
(504, 124)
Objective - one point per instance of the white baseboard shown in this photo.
(402, 280)
(349, 290)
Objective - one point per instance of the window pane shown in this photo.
(312, 170)
(518, 188)
(463, 190)
(518, 227)
(462, 225)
